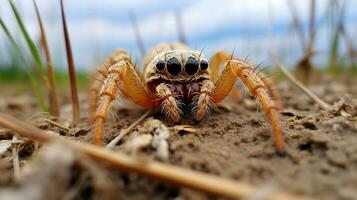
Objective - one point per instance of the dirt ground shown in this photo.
(235, 141)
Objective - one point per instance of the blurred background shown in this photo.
(253, 28)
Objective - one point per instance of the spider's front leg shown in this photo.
(122, 79)
(237, 69)
(222, 57)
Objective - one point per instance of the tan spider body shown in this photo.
(177, 78)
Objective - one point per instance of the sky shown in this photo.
(98, 27)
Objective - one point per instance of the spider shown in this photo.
(174, 78)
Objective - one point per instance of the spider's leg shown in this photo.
(121, 78)
(99, 77)
(273, 92)
(203, 101)
(98, 80)
(222, 57)
(238, 69)
(169, 104)
(215, 63)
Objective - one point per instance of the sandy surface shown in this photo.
(235, 141)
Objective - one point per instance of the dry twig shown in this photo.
(138, 37)
(15, 159)
(58, 125)
(312, 96)
(176, 175)
(115, 141)
(71, 69)
(54, 107)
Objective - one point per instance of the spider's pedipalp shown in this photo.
(169, 104)
(204, 100)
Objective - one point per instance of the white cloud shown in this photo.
(98, 30)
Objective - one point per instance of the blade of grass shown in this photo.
(53, 99)
(7, 32)
(29, 41)
(337, 32)
(33, 81)
(179, 176)
(71, 69)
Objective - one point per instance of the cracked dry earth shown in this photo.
(235, 141)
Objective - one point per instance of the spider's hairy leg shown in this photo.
(169, 104)
(272, 90)
(222, 57)
(238, 69)
(99, 77)
(215, 62)
(98, 80)
(121, 78)
(203, 102)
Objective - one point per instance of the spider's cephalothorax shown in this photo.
(175, 78)
(181, 74)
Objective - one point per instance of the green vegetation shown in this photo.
(31, 76)
(14, 75)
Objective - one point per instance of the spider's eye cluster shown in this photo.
(173, 66)
(160, 65)
(191, 66)
(204, 65)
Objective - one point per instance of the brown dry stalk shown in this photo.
(297, 24)
(15, 159)
(179, 25)
(115, 141)
(58, 125)
(183, 177)
(71, 69)
(139, 39)
(54, 107)
(312, 96)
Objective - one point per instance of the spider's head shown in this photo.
(182, 65)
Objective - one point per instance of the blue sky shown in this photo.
(98, 27)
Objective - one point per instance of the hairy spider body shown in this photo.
(177, 78)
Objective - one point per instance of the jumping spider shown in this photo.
(175, 77)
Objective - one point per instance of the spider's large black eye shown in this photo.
(191, 66)
(173, 66)
(204, 65)
(160, 65)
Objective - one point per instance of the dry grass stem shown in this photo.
(312, 96)
(15, 159)
(115, 141)
(179, 176)
(58, 125)
(53, 99)
(71, 69)
(180, 31)
(138, 37)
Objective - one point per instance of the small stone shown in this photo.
(337, 128)
(249, 104)
(4, 146)
(337, 157)
(320, 139)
